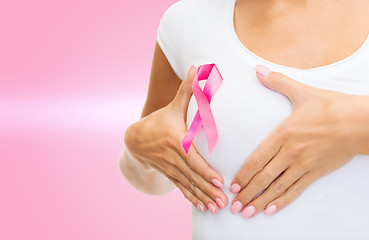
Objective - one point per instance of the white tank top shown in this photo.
(333, 207)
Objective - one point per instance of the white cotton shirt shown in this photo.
(334, 207)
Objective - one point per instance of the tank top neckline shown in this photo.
(253, 57)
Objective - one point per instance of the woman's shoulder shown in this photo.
(185, 15)
(185, 27)
(193, 8)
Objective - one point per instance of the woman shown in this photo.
(293, 131)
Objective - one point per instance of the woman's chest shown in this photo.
(246, 111)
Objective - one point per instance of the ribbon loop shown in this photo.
(204, 116)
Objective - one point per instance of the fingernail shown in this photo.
(248, 211)
(216, 183)
(235, 188)
(211, 207)
(236, 207)
(270, 209)
(201, 207)
(262, 70)
(219, 202)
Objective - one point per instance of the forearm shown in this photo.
(143, 177)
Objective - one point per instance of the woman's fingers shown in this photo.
(195, 195)
(267, 149)
(185, 191)
(291, 194)
(197, 180)
(192, 198)
(191, 192)
(196, 162)
(275, 190)
(262, 180)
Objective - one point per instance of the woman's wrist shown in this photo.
(130, 140)
(141, 175)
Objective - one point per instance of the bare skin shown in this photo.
(302, 34)
(283, 32)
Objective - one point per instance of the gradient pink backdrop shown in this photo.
(73, 76)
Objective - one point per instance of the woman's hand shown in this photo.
(324, 132)
(156, 141)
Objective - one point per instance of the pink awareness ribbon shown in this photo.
(204, 116)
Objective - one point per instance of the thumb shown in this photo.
(295, 91)
(182, 99)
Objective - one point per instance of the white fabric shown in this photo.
(335, 206)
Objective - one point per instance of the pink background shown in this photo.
(73, 76)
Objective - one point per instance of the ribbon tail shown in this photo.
(192, 131)
(212, 142)
(209, 125)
